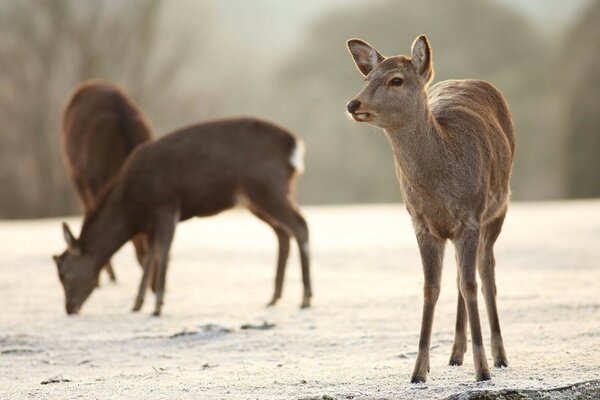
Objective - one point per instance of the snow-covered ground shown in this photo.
(357, 342)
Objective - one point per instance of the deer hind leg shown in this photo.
(293, 221)
(280, 212)
(460, 336)
(283, 239)
(486, 266)
(432, 256)
(466, 244)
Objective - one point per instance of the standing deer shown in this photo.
(454, 145)
(200, 171)
(101, 126)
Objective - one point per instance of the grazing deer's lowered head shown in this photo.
(453, 145)
(76, 273)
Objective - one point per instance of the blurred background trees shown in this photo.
(48, 47)
(189, 60)
(580, 62)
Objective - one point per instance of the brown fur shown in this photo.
(101, 126)
(454, 147)
(197, 171)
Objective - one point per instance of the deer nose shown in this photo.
(353, 106)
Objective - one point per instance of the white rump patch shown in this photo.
(297, 156)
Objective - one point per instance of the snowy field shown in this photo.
(359, 340)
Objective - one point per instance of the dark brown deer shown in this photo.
(453, 146)
(101, 126)
(197, 171)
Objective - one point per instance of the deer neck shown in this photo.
(105, 231)
(418, 146)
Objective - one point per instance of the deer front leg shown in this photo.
(165, 231)
(460, 335)
(466, 244)
(487, 265)
(140, 243)
(148, 263)
(432, 255)
(110, 271)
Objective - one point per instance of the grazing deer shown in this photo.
(199, 171)
(101, 126)
(453, 146)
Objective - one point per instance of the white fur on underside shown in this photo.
(297, 156)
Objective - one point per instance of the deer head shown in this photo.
(395, 87)
(76, 271)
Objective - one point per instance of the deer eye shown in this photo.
(396, 82)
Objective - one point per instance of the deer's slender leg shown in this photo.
(486, 265)
(292, 219)
(111, 273)
(432, 256)
(300, 230)
(283, 241)
(280, 212)
(165, 230)
(460, 335)
(148, 266)
(466, 244)
(140, 243)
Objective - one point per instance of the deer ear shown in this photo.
(365, 56)
(421, 58)
(72, 243)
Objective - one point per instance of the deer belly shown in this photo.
(206, 206)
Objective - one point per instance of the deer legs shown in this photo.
(460, 336)
(283, 239)
(486, 265)
(158, 255)
(467, 243)
(286, 221)
(468, 252)
(141, 245)
(432, 256)
(148, 262)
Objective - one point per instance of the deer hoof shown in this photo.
(455, 362)
(273, 302)
(305, 302)
(483, 376)
(418, 379)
